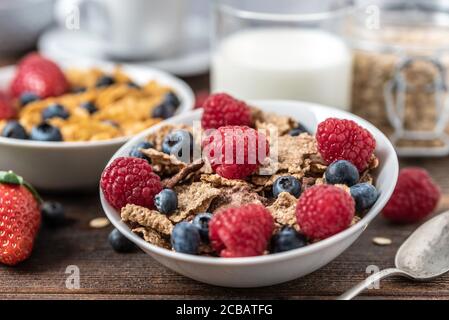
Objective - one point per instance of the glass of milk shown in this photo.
(283, 49)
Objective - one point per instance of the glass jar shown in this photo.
(283, 49)
(399, 82)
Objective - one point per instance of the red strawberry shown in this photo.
(7, 110)
(39, 75)
(29, 58)
(20, 218)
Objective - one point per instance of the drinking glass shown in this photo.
(284, 49)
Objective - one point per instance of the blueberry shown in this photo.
(201, 222)
(287, 184)
(185, 238)
(179, 143)
(14, 129)
(136, 153)
(105, 81)
(287, 239)
(28, 97)
(45, 132)
(79, 90)
(163, 111)
(172, 99)
(342, 172)
(53, 213)
(55, 111)
(296, 131)
(167, 107)
(120, 243)
(166, 201)
(364, 195)
(134, 85)
(89, 107)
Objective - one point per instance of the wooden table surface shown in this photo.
(105, 274)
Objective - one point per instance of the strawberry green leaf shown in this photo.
(9, 177)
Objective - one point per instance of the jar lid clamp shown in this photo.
(395, 91)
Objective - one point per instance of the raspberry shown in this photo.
(235, 152)
(416, 195)
(130, 180)
(323, 211)
(340, 139)
(242, 231)
(223, 110)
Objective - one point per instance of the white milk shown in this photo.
(309, 65)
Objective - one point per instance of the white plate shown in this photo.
(192, 59)
(275, 268)
(58, 166)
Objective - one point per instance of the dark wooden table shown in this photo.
(105, 274)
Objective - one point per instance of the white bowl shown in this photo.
(62, 166)
(274, 268)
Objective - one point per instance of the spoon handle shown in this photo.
(351, 293)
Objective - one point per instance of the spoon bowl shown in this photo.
(423, 256)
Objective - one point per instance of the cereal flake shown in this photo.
(151, 236)
(147, 218)
(236, 196)
(192, 199)
(284, 209)
(267, 120)
(218, 181)
(162, 163)
(293, 150)
(186, 172)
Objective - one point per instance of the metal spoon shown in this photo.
(423, 256)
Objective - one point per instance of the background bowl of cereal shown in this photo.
(266, 269)
(64, 141)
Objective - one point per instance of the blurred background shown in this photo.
(383, 60)
(168, 34)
